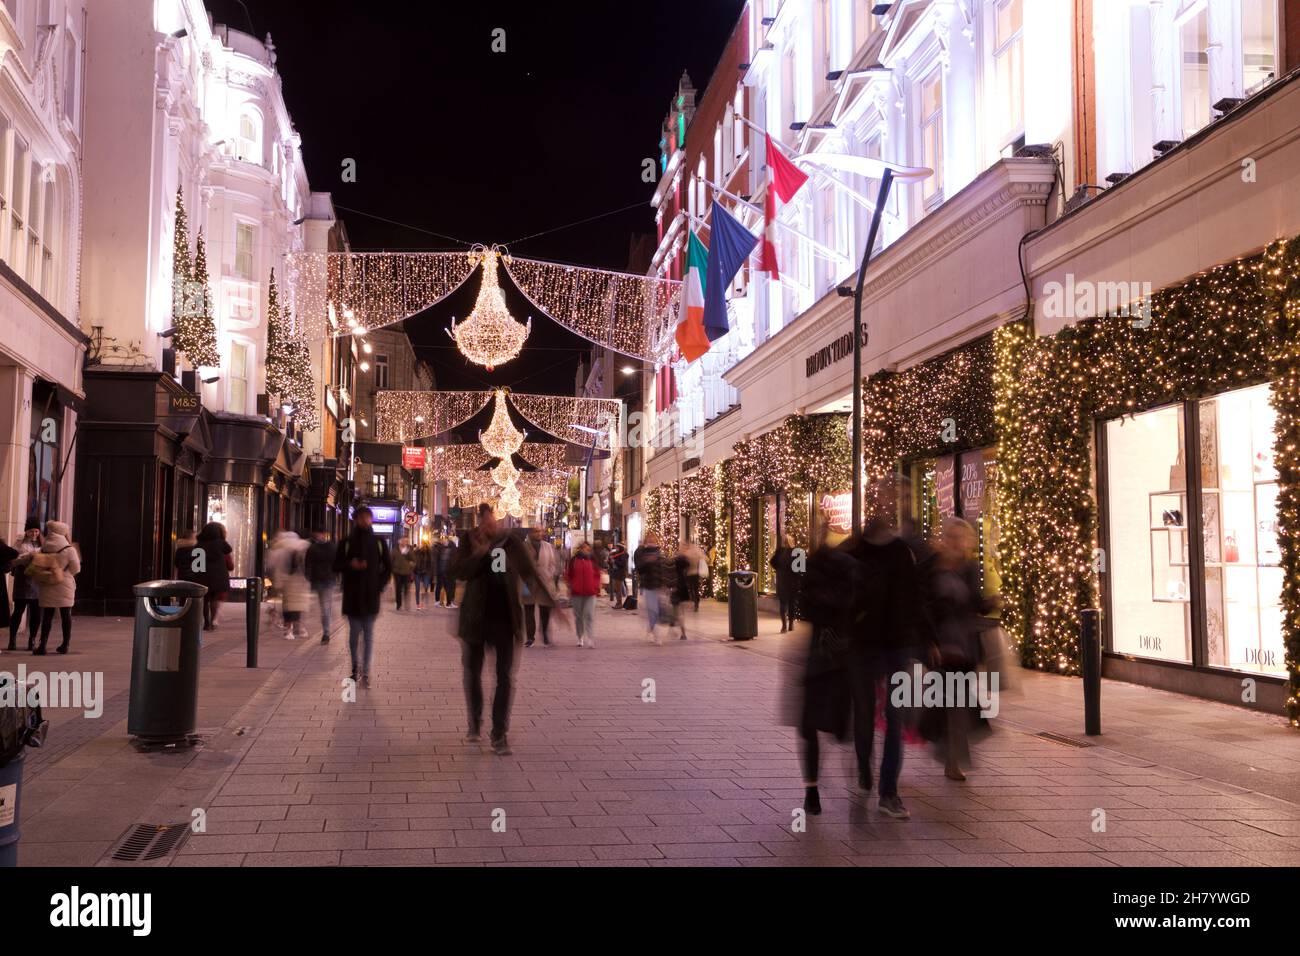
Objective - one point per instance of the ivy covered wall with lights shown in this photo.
(1230, 327)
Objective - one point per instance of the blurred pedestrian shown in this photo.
(680, 570)
(648, 565)
(539, 602)
(403, 568)
(26, 595)
(322, 576)
(54, 569)
(365, 564)
(696, 570)
(583, 577)
(822, 699)
(421, 575)
(787, 581)
(494, 564)
(618, 558)
(7, 555)
(956, 605)
(218, 561)
(889, 622)
(287, 566)
(444, 557)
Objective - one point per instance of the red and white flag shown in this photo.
(785, 179)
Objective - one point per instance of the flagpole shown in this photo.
(759, 209)
(860, 198)
(697, 221)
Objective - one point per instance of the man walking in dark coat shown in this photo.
(492, 562)
(321, 574)
(363, 561)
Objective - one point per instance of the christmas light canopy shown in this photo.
(501, 439)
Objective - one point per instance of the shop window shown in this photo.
(235, 508)
(1157, 610)
(44, 461)
(1148, 558)
(1243, 573)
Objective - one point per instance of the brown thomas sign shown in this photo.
(828, 355)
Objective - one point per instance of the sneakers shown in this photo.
(471, 737)
(528, 643)
(812, 801)
(893, 807)
(501, 747)
(453, 604)
(365, 680)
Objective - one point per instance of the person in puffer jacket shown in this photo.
(584, 584)
(286, 562)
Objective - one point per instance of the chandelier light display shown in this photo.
(502, 439)
(505, 473)
(490, 336)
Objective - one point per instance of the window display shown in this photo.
(1148, 561)
(235, 506)
(1243, 579)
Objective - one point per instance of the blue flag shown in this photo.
(730, 244)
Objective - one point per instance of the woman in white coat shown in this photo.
(54, 569)
(285, 562)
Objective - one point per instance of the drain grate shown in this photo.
(150, 841)
(1062, 739)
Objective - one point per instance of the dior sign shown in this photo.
(828, 355)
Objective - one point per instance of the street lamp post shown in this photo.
(886, 182)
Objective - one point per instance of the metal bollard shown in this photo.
(1090, 642)
(253, 614)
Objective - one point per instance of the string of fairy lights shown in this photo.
(490, 336)
(409, 415)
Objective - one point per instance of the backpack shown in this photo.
(44, 569)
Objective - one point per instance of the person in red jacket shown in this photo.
(584, 584)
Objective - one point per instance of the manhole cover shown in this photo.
(1062, 739)
(150, 841)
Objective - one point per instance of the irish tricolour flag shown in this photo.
(691, 338)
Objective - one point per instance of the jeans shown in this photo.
(530, 623)
(446, 587)
(359, 627)
(617, 589)
(867, 666)
(325, 594)
(652, 600)
(693, 586)
(65, 621)
(785, 597)
(584, 608)
(401, 582)
(472, 655)
(33, 608)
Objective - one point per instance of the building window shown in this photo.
(245, 242)
(381, 371)
(1009, 70)
(71, 69)
(932, 136)
(18, 209)
(864, 22)
(49, 225)
(1258, 33)
(1194, 70)
(239, 365)
(248, 146)
(379, 483)
(1156, 544)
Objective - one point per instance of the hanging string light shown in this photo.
(577, 420)
(501, 439)
(409, 415)
(490, 336)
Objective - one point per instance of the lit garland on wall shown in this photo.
(1233, 326)
(379, 287)
(613, 309)
(490, 336)
(405, 416)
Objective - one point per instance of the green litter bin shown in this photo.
(165, 661)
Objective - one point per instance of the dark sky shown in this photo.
(488, 147)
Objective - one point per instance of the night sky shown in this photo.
(477, 146)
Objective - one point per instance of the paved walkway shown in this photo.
(703, 774)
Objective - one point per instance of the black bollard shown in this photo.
(253, 612)
(1090, 641)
